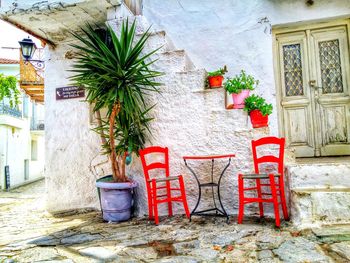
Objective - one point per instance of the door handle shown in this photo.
(312, 84)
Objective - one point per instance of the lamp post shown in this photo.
(28, 49)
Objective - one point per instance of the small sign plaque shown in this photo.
(70, 92)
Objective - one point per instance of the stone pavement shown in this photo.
(29, 234)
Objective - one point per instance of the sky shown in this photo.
(9, 37)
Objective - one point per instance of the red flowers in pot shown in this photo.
(258, 110)
(215, 78)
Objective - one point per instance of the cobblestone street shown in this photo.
(29, 234)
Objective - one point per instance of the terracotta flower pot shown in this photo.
(258, 120)
(216, 81)
(238, 99)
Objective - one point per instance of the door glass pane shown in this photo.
(330, 66)
(293, 74)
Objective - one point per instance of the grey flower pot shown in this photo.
(116, 199)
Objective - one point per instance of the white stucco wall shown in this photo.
(70, 144)
(188, 119)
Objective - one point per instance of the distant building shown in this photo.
(21, 136)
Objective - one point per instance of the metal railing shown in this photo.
(7, 110)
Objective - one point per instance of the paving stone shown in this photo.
(183, 235)
(205, 253)
(141, 253)
(186, 247)
(229, 237)
(236, 255)
(56, 261)
(265, 254)
(268, 260)
(300, 250)
(79, 238)
(37, 254)
(270, 239)
(134, 242)
(342, 249)
(28, 234)
(98, 253)
(165, 228)
(46, 241)
(178, 259)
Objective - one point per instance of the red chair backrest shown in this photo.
(147, 167)
(279, 160)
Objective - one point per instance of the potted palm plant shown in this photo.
(114, 70)
(258, 110)
(215, 78)
(240, 86)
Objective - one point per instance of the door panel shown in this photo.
(297, 133)
(335, 124)
(295, 93)
(330, 62)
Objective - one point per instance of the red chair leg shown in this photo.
(183, 196)
(275, 199)
(155, 204)
(241, 198)
(261, 205)
(150, 201)
(170, 205)
(283, 200)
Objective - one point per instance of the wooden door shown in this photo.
(330, 82)
(296, 95)
(313, 78)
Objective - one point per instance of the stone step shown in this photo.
(172, 61)
(141, 23)
(213, 98)
(319, 192)
(319, 175)
(183, 82)
(319, 208)
(158, 39)
(335, 233)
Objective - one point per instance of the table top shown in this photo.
(208, 157)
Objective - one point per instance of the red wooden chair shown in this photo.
(157, 186)
(277, 188)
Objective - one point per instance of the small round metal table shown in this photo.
(218, 211)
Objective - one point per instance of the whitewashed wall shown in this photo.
(188, 119)
(70, 145)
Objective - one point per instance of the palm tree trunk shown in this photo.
(114, 161)
(123, 167)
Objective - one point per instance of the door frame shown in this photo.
(290, 28)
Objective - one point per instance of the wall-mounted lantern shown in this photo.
(28, 49)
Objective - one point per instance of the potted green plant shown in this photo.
(215, 78)
(240, 86)
(258, 110)
(114, 70)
